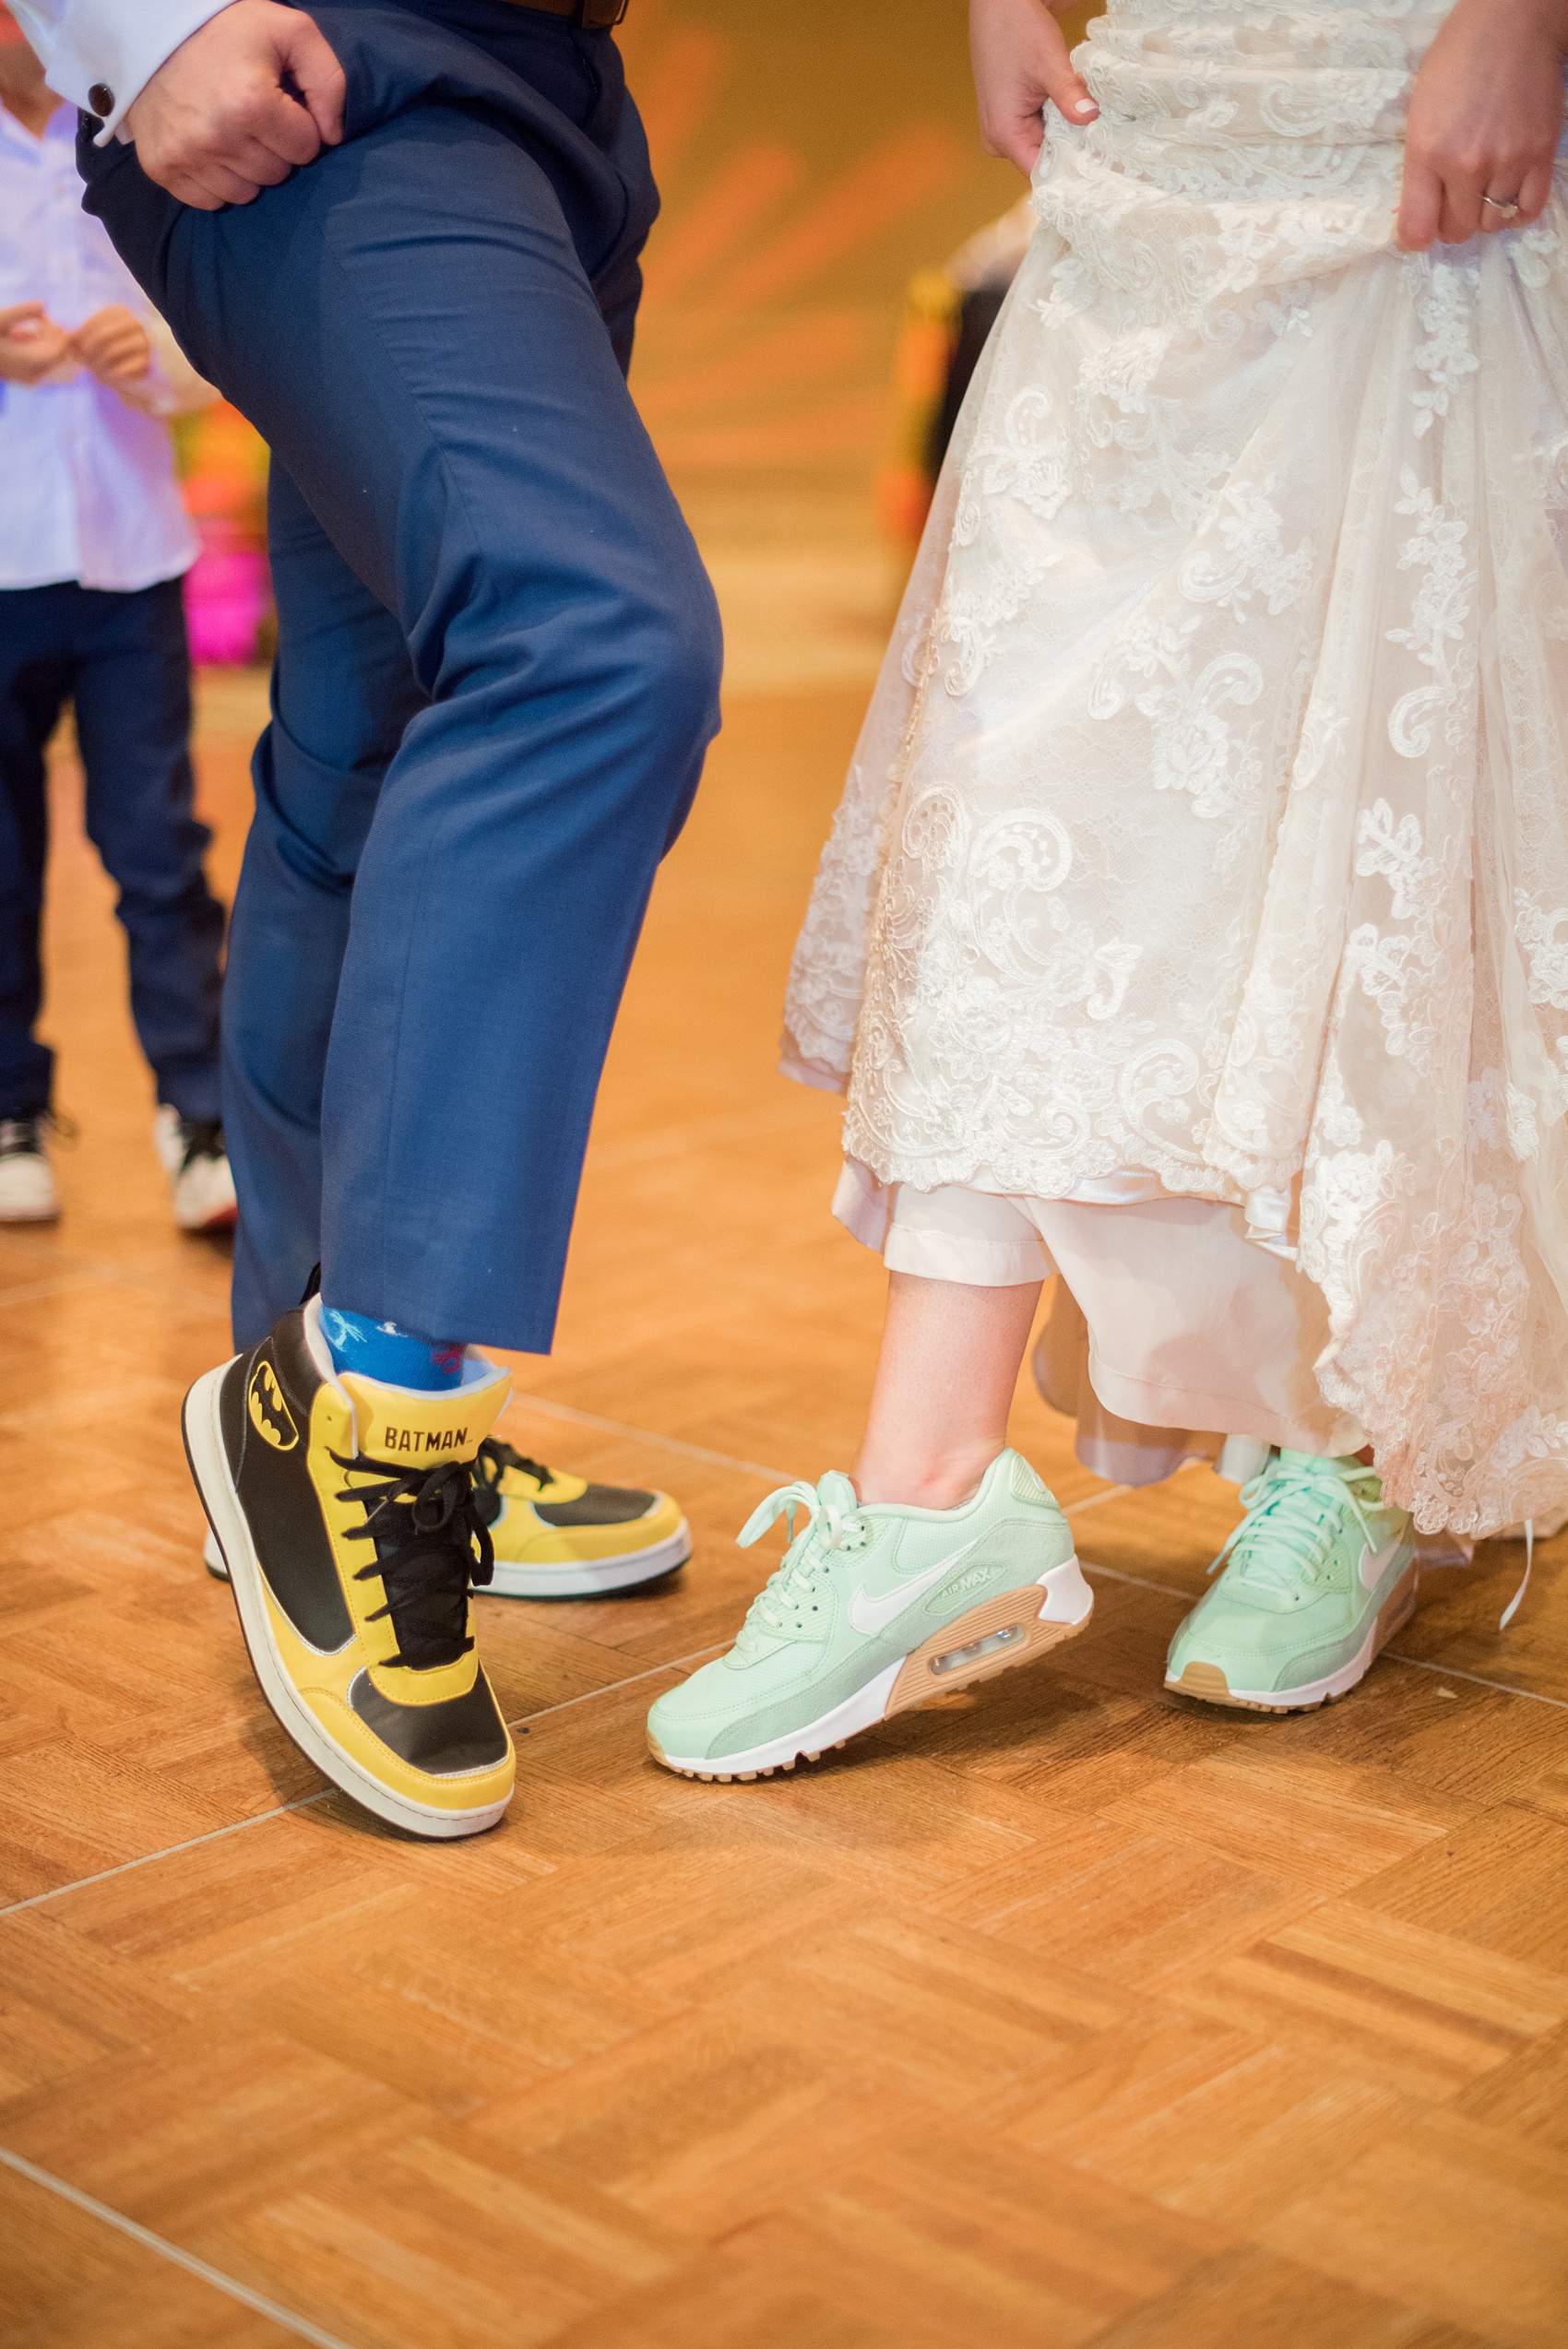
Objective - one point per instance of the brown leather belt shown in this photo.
(595, 15)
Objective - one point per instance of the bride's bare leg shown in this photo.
(950, 1358)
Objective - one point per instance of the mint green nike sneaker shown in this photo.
(872, 1609)
(1319, 1575)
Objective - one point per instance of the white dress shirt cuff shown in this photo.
(97, 48)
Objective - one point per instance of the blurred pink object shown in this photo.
(228, 593)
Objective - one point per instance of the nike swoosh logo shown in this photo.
(872, 1616)
(1373, 1568)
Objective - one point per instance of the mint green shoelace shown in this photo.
(1294, 1510)
(833, 1522)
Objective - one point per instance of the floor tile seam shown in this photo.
(662, 1443)
(167, 1851)
(637, 1148)
(550, 1409)
(66, 1259)
(611, 1687)
(323, 1794)
(95, 1275)
(104, 2213)
(34, 1292)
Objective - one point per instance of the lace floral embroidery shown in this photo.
(1211, 815)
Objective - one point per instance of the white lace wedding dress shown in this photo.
(1211, 817)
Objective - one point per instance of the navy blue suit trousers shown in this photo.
(498, 657)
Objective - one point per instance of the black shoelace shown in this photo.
(203, 1138)
(23, 1137)
(495, 1459)
(430, 1543)
(20, 1137)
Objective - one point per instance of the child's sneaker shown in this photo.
(876, 1608)
(29, 1194)
(1319, 1575)
(193, 1158)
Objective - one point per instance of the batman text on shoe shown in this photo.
(344, 1510)
(875, 1608)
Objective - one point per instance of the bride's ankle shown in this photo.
(926, 1484)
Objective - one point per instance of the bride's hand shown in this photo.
(1020, 61)
(1485, 118)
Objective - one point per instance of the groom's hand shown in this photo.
(1021, 65)
(254, 92)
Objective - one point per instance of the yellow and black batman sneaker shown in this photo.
(345, 1512)
(559, 1536)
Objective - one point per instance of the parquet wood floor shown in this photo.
(1060, 2012)
(1063, 2012)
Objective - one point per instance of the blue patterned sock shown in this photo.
(382, 1350)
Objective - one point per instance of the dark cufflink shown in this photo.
(100, 98)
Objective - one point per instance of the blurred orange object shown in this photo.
(222, 463)
(927, 340)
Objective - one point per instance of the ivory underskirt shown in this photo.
(1171, 1332)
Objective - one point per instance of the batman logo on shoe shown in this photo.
(269, 1414)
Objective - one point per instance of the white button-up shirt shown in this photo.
(113, 47)
(87, 474)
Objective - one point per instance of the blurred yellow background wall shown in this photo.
(813, 161)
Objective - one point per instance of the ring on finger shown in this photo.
(1509, 209)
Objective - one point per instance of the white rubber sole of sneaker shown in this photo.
(201, 1204)
(590, 1577)
(590, 1580)
(991, 1638)
(27, 1193)
(210, 1466)
(1208, 1681)
(198, 1220)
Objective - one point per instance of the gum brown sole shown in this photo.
(1210, 1685)
(1207, 1682)
(913, 1686)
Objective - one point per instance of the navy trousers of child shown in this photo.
(498, 657)
(122, 657)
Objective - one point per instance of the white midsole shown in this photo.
(1068, 1600)
(585, 1578)
(1332, 1684)
(209, 1464)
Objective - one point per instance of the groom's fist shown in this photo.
(253, 93)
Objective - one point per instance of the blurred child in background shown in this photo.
(93, 544)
